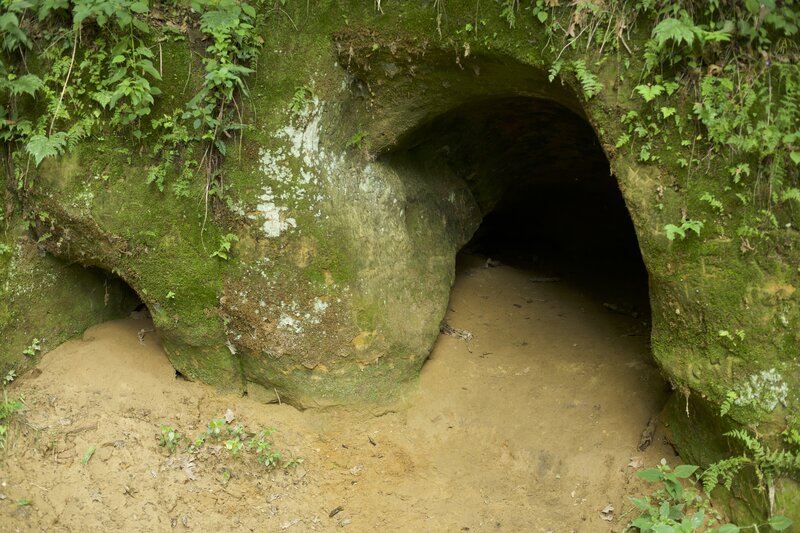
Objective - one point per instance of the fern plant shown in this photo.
(767, 463)
(590, 83)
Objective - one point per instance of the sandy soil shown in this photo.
(533, 430)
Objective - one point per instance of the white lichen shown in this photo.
(766, 390)
(274, 221)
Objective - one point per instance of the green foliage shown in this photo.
(230, 25)
(589, 81)
(225, 244)
(508, 12)
(673, 231)
(727, 403)
(301, 99)
(236, 439)
(677, 507)
(34, 348)
(170, 438)
(724, 76)
(42, 146)
(649, 91)
(265, 455)
(357, 139)
(767, 463)
(672, 507)
(8, 407)
(101, 72)
(712, 201)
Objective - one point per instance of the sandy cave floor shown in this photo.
(533, 430)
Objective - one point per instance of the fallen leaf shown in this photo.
(636, 462)
(188, 469)
(607, 513)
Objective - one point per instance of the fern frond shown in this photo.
(589, 82)
(723, 472)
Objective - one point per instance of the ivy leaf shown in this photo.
(51, 5)
(663, 528)
(795, 156)
(698, 518)
(729, 528)
(42, 146)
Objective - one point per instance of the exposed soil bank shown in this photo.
(531, 431)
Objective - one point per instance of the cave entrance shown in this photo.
(542, 185)
(553, 289)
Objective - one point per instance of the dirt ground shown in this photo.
(533, 430)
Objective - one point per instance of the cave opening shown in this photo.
(550, 284)
(547, 199)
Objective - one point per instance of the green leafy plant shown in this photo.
(768, 463)
(170, 438)
(225, 243)
(8, 407)
(676, 506)
(727, 403)
(34, 348)
(237, 440)
(357, 139)
(590, 83)
(673, 231)
(301, 100)
(262, 447)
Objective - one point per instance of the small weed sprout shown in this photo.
(357, 140)
(225, 244)
(215, 429)
(236, 439)
(170, 438)
(34, 348)
(301, 99)
(8, 407)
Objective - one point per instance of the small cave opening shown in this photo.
(119, 299)
(550, 292)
